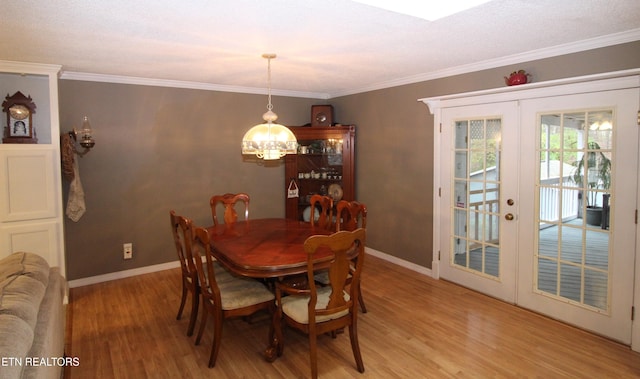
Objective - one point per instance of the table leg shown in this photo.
(274, 350)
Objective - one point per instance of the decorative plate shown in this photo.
(306, 214)
(335, 192)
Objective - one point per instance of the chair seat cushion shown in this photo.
(297, 307)
(236, 292)
(322, 277)
(221, 273)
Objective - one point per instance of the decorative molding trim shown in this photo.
(71, 75)
(26, 68)
(170, 265)
(574, 85)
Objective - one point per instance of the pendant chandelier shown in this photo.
(269, 141)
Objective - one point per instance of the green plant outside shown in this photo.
(596, 167)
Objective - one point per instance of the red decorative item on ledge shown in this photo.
(517, 77)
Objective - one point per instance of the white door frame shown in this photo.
(576, 85)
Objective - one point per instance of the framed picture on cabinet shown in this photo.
(19, 128)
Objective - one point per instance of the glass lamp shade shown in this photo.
(86, 134)
(269, 141)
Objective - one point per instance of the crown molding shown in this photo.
(28, 68)
(574, 85)
(72, 75)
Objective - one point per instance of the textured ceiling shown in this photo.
(325, 48)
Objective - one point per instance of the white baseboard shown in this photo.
(122, 274)
(170, 265)
(400, 262)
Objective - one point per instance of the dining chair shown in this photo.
(229, 201)
(224, 295)
(323, 205)
(319, 310)
(350, 215)
(188, 271)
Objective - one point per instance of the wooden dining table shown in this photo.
(270, 249)
(264, 248)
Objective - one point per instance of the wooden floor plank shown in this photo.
(416, 327)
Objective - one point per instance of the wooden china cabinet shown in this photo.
(325, 164)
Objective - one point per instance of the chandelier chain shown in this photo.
(269, 105)
(269, 140)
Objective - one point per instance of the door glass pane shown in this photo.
(460, 165)
(547, 275)
(476, 197)
(576, 156)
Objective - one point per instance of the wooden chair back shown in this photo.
(182, 234)
(340, 295)
(343, 275)
(325, 217)
(350, 215)
(186, 262)
(201, 250)
(228, 201)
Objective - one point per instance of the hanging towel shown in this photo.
(66, 151)
(75, 203)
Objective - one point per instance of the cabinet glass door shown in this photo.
(320, 171)
(324, 164)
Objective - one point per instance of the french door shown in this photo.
(520, 182)
(478, 242)
(577, 240)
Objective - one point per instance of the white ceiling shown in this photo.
(325, 48)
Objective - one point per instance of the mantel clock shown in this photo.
(19, 109)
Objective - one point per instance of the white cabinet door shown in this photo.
(29, 190)
(41, 237)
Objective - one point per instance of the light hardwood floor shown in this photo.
(416, 327)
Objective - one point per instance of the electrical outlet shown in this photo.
(127, 250)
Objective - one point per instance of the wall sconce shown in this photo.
(86, 139)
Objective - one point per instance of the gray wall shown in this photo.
(159, 149)
(165, 148)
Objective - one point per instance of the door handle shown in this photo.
(508, 216)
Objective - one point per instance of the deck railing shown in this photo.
(558, 203)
